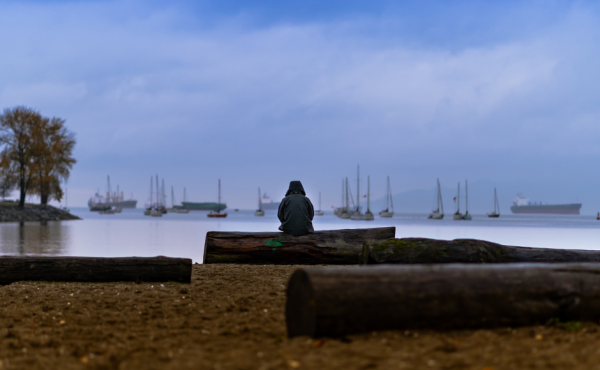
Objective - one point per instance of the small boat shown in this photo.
(357, 215)
(319, 212)
(598, 216)
(344, 211)
(156, 213)
(368, 215)
(467, 216)
(436, 214)
(217, 214)
(66, 207)
(389, 202)
(109, 211)
(236, 210)
(496, 212)
(259, 212)
(174, 208)
(457, 215)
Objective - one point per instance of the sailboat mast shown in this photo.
(219, 202)
(172, 198)
(387, 200)
(347, 202)
(357, 188)
(151, 193)
(259, 201)
(458, 199)
(319, 201)
(157, 192)
(368, 193)
(466, 197)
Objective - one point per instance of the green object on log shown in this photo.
(335, 247)
(93, 269)
(334, 302)
(421, 250)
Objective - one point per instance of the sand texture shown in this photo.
(232, 317)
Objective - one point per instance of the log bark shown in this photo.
(321, 247)
(338, 301)
(421, 250)
(92, 269)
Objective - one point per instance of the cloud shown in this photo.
(146, 91)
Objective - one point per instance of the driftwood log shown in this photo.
(343, 247)
(92, 269)
(421, 250)
(337, 301)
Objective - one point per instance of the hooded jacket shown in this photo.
(296, 211)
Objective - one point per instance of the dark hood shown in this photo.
(295, 188)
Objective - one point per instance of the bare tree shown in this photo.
(18, 126)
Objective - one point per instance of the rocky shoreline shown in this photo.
(11, 213)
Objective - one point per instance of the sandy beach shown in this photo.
(232, 317)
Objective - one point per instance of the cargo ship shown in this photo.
(525, 206)
(204, 206)
(268, 204)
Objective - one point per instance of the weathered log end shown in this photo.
(93, 269)
(334, 247)
(300, 307)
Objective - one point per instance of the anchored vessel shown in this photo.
(386, 213)
(268, 204)
(259, 212)
(524, 205)
(496, 212)
(114, 200)
(319, 212)
(218, 213)
(438, 213)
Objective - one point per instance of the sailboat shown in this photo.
(259, 212)
(108, 210)
(174, 208)
(458, 215)
(368, 214)
(218, 213)
(148, 210)
(344, 211)
(467, 216)
(157, 211)
(357, 216)
(319, 212)
(436, 214)
(389, 202)
(496, 212)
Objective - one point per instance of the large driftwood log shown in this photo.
(338, 301)
(92, 269)
(343, 247)
(421, 250)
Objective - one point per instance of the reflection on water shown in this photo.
(47, 238)
(182, 235)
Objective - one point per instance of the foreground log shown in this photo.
(343, 247)
(92, 269)
(421, 250)
(344, 300)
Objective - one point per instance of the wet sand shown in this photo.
(232, 317)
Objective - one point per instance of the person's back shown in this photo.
(296, 211)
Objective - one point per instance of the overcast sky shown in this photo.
(258, 93)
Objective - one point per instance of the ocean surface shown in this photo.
(182, 235)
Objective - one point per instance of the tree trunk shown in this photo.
(44, 199)
(341, 247)
(22, 193)
(339, 301)
(92, 269)
(421, 250)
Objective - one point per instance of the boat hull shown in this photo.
(217, 215)
(549, 209)
(204, 206)
(129, 204)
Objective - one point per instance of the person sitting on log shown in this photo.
(296, 211)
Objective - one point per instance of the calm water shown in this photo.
(182, 235)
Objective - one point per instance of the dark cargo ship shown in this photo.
(524, 206)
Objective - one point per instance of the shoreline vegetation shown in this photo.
(11, 212)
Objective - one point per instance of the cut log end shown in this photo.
(300, 306)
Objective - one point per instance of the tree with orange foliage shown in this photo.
(36, 152)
